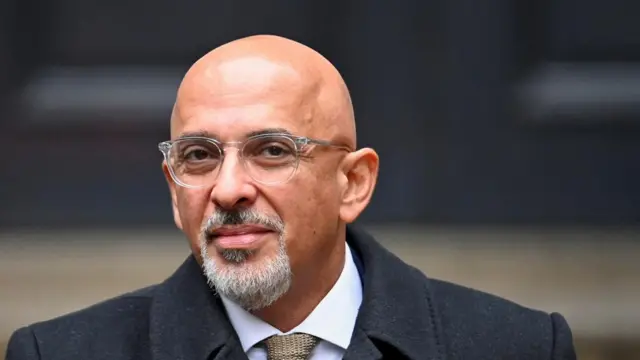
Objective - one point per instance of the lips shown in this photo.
(239, 236)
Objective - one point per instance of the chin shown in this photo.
(236, 260)
(253, 280)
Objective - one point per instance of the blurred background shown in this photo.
(509, 136)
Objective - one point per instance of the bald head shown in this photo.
(270, 69)
(302, 196)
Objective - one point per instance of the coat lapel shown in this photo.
(397, 315)
(361, 347)
(397, 312)
(188, 322)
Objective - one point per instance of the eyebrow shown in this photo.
(268, 131)
(207, 134)
(201, 133)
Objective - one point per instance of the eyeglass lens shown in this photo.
(268, 159)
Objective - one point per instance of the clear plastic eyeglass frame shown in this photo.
(300, 144)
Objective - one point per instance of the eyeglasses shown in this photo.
(270, 159)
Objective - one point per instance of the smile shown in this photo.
(239, 237)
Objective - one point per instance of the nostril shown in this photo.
(228, 205)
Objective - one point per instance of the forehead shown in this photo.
(231, 103)
(229, 124)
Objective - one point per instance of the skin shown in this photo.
(271, 82)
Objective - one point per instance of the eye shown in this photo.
(274, 150)
(195, 151)
(197, 154)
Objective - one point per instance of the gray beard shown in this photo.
(235, 255)
(252, 286)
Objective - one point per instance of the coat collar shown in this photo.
(188, 320)
(397, 308)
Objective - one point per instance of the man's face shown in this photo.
(252, 237)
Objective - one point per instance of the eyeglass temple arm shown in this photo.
(327, 143)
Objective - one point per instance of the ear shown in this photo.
(358, 180)
(174, 197)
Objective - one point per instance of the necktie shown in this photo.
(296, 346)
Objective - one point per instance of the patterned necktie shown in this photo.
(296, 346)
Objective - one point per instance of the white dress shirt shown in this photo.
(332, 321)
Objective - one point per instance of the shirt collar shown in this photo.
(332, 320)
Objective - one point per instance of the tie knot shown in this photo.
(296, 346)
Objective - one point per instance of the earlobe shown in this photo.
(360, 170)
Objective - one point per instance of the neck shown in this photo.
(307, 290)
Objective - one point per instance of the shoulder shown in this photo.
(474, 321)
(114, 323)
(123, 312)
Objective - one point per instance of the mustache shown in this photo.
(241, 217)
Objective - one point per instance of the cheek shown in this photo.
(310, 211)
(193, 208)
(309, 199)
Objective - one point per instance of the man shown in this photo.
(265, 175)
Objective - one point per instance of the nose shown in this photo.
(233, 186)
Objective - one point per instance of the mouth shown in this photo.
(239, 236)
